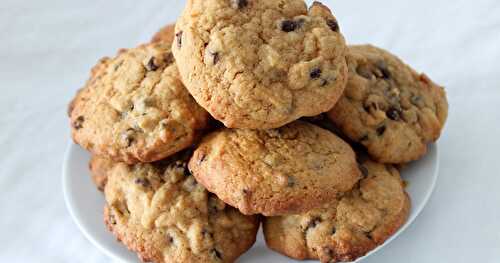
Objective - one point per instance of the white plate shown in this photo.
(85, 204)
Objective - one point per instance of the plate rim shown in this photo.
(69, 202)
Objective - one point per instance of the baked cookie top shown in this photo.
(388, 107)
(160, 212)
(165, 34)
(349, 227)
(291, 169)
(134, 108)
(260, 64)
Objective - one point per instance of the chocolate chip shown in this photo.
(142, 181)
(381, 130)
(151, 66)
(187, 172)
(334, 230)
(239, 4)
(313, 223)
(216, 254)
(288, 25)
(78, 123)
(169, 58)
(178, 36)
(382, 66)
(170, 239)
(393, 114)
(128, 137)
(215, 57)
(363, 170)
(290, 181)
(332, 23)
(315, 73)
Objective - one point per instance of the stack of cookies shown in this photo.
(250, 111)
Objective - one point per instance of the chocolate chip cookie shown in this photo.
(99, 168)
(160, 212)
(134, 108)
(260, 64)
(165, 34)
(291, 169)
(349, 227)
(388, 107)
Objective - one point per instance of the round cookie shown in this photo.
(260, 64)
(166, 34)
(99, 168)
(388, 107)
(291, 169)
(349, 227)
(160, 212)
(134, 108)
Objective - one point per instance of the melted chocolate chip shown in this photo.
(315, 73)
(363, 170)
(142, 181)
(239, 4)
(178, 36)
(381, 130)
(78, 123)
(288, 25)
(393, 114)
(313, 223)
(216, 254)
(332, 23)
(151, 66)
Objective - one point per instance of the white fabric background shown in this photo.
(48, 47)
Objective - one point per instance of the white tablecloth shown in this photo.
(48, 47)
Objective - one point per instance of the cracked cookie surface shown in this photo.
(134, 108)
(388, 107)
(160, 212)
(349, 227)
(260, 64)
(291, 169)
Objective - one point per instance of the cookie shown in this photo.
(260, 64)
(291, 169)
(166, 34)
(160, 212)
(134, 108)
(388, 107)
(349, 227)
(99, 168)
